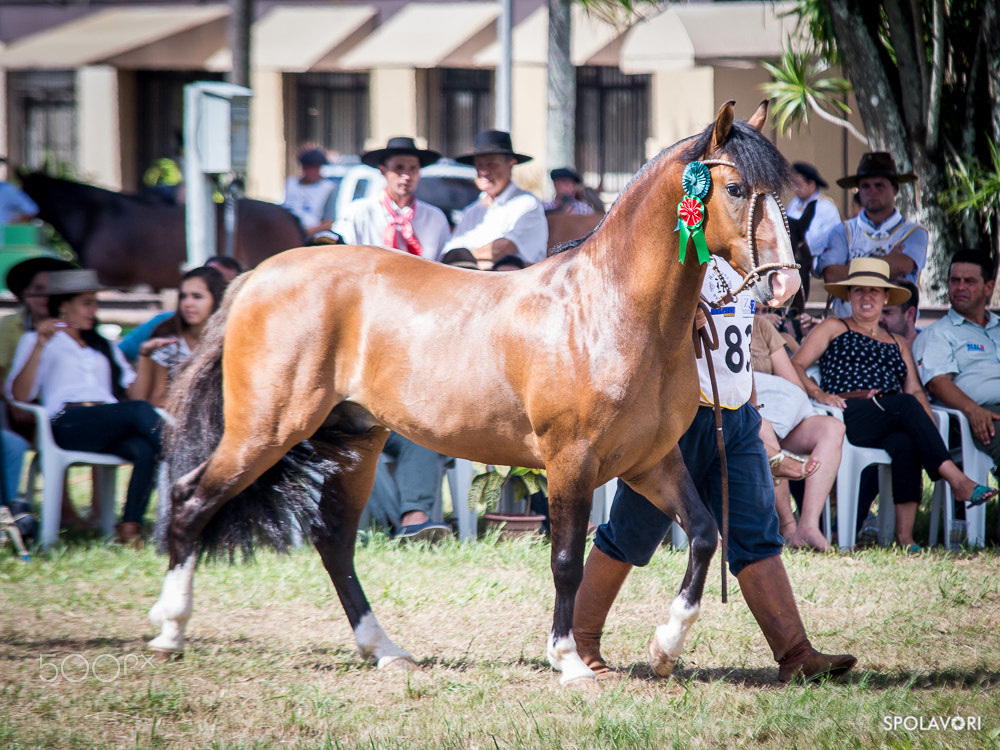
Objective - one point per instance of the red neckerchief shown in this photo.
(400, 225)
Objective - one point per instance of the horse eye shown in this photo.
(735, 190)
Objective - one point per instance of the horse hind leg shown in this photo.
(344, 498)
(667, 643)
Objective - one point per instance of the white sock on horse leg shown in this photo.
(564, 658)
(374, 645)
(668, 640)
(173, 609)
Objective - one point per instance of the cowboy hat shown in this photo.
(461, 257)
(876, 164)
(399, 146)
(565, 173)
(810, 172)
(74, 281)
(492, 142)
(20, 274)
(868, 272)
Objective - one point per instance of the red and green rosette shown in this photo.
(691, 211)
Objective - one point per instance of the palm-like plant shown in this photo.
(974, 194)
(801, 86)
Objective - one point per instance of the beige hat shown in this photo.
(74, 281)
(868, 272)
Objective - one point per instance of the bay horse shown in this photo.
(582, 364)
(134, 239)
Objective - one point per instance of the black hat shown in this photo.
(565, 173)
(461, 257)
(314, 157)
(492, 142)
(876, 164)
(400, 145)
(20, 274)
(810, 173)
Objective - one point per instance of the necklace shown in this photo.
(871, 332)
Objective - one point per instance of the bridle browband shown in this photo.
(754, 275)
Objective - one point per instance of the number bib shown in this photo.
(734, 324)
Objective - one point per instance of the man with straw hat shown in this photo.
(879, 229)
(505, 220)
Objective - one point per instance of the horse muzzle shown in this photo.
(776, 287)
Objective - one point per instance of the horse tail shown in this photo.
(279, 507)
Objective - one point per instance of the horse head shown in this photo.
(744, 220)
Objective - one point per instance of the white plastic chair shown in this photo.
(853, 460)
(54, 463)
(976, 465)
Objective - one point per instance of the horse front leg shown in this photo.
(687, 508)
(344, 499)
(569, 512)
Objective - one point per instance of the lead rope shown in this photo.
(703, 323)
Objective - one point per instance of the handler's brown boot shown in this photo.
(603, 576)
(768, 594)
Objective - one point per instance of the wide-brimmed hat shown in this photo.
(314, 157)
(74, 281)
(400, 145)
(868, 272)
(810, 172)
(876, 164)
(20, 274)
(492, 142)
(565, 173)
(461, 257)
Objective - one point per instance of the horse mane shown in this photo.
(758, 161)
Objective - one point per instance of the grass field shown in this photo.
(271, 661)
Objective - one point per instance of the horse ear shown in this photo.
(723, 124)
(757, 121)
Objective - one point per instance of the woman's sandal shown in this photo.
(776, 461)
(980, 495)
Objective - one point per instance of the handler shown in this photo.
(637, 527)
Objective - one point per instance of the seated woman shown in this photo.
(81, 380)
(173, 340)
(870, 374)
(797, 427)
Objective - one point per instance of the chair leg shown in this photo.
(53, 481)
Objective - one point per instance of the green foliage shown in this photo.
(801, 84)
(975, 187)
(489, 480)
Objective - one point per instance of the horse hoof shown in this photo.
(398, 663)
(164, 656)
(660, 661)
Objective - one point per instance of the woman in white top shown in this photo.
(173, 340)
(82, 381)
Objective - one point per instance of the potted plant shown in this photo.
(505, 491)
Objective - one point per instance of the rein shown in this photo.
(705, 332)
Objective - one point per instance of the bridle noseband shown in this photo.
(754, 275)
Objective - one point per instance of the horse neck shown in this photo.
(70, 211)
(637, 249)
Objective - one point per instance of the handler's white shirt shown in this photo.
(734, 325)
(514, 215)
(364, 223)
(307, 201)
(68, 373)
(825, 220)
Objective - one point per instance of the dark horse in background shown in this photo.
(134, 239)
(582, 364)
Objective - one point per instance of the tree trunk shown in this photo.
(561, 123)
(883, 105)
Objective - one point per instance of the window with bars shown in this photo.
(464, 107)
(612, 124)
(43, 119)
(332, 110)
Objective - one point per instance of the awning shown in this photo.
(110, 36)
(299, 39)
(427, 35)
(708, 33)
(594, 41)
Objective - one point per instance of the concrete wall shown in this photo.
(268, 140)
(100, 148)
